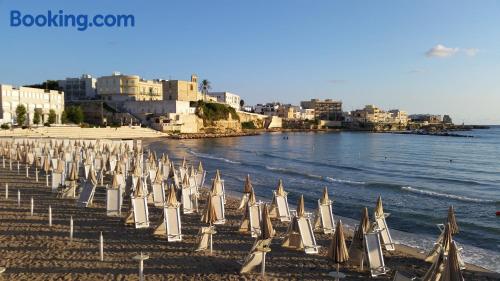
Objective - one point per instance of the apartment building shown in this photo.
(327, 109)
(231, 99)
(120, 88)
(32, 99)
(79, 88)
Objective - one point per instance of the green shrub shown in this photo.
(5, 126)
(211, 112)
(248, 125)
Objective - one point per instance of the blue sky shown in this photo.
(420, 56)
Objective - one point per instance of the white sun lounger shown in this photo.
(158, 194)
(86, 169)
(255, 258)
(203, 239)
(218, 202)
(374, 254)
(282, 209)
(189, 200)
(200, 179)
(141, 214)
(87, 195)
(385, 234)
(307, 235)
(114, 201)
(324, 219)
(166, 171)
(255, 219)
(173, 223)
(56, 181)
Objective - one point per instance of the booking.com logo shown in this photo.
(81, 21)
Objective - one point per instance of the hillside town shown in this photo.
(186, 107)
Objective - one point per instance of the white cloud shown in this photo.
(471, 52)
(441, 51)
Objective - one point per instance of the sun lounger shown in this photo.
(158, 194)
(56, 181)
(218, 202)
(87, 195)
(203, 239)
(255, 257)
(374, 254)
(307, 235)
(279, 208)
(324, 218)
(114, 202)
(255, 219)
(189, 200)
(171, 224)
(385, 234)
(200, 179)
(68, 191)
(141, 214)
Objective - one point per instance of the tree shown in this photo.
(64, 117)
(21, 114)
(52, 116)
(37, 118)
(204, 87)
(77, 115)
(242, 103)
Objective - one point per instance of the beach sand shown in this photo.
(31, 250)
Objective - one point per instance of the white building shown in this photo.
(31, 98)
(83, 88)
(228, 98)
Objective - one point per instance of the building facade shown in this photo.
(231, 99)
(324, 109)
(120, 88)
(33, 99)
(82, 88)
(181, 90)
(269, 109)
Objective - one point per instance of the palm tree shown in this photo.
(204, 87)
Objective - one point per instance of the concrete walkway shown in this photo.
(84, 133)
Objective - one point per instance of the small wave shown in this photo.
(444, 195)
(208, 156)
(330, 179)
(309, 175)
(293, 172)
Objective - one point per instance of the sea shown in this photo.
(418, 177)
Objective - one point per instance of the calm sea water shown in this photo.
(413, 174)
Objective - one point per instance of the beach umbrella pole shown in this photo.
(3, 161)
(6, 191)
(32, 206)
(18, 198)
(263, 265)
(211, 242)
(50, 216)
(36, 174)
(101, 246)
(18, 168)
(27, 171)
(71, 229)
(10, 164)
(47, 179)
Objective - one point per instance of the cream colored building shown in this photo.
(120, 88)
(373, 114)
(181, 90)
(233, 100)
(31, 98)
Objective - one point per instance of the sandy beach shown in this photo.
(31, 250)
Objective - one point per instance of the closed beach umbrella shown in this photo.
(447, 240)
(248, 185)
(46, 164)
(379, 209)
(209, 216)
(251, 198)
(435, 271)
(300, 207)
(73, 175)
(452, 221)
(200, 168)
(280, 190)
(365, 220)
(139, 189)
(115, 183)
(158, 176)
(337, 251)
(172, 197)
(217, 184)
(184, 163)
(60, 166)
(267, 230)
(92, 175)
(217, 174)
(324, 199)
(185, 181)
(451, 270)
